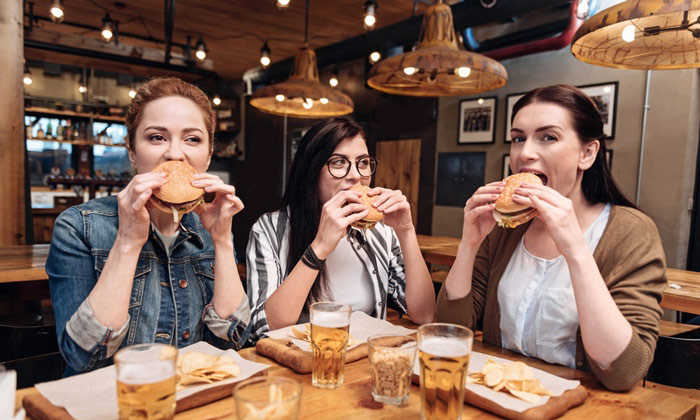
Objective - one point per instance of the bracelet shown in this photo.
(310, 259)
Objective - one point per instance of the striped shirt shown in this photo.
(268, 247)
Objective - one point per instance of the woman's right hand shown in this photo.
(134, 220)
(342, 210)
(478, 220)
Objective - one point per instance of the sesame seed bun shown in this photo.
(178, 191)
(374, 215)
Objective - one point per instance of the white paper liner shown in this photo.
(362, 326)
(551, 382)
(93, 395)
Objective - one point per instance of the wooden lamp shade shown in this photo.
(435, 63)
(301, 90)
(666, 36)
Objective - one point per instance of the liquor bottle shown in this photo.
(49, 131)
(60, 131)
(76, 131)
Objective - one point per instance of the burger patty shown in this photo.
(515, 213)
(178, 206)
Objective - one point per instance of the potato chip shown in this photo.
(527, 396)
(516, 378)
(493, 377)
(195, 367)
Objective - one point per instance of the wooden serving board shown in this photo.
(555, 406)
(288, 354)
(40, 408)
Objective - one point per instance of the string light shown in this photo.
(463, 71)
(279, 98)
(27, 76)
(265, 56)
(201, 52)
(56, 12)
(374, 56)
(282, 4)
(107, 32)
(409, 70)
(370, 19)
(324, 101)
(334, 79)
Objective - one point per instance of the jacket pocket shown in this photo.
(143, 267)
(204, 272)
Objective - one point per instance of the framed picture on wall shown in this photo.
(510, 102)
(505, 169)
(477, 118)
(605, 97)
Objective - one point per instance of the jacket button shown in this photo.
(183, 283)
(186, 335)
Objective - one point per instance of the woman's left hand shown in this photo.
(557, 213)
(217, 216)
(395, 206)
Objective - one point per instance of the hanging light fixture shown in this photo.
(374, 57)
(216, 100)
(302, 96)
(642, 34)
(282, 4)
(56, 11)
(265, 56)
(132, 93)
(370, 18)
(201, 52)
(27, 76)
(107, 31)
(437, 67)
(333, 81)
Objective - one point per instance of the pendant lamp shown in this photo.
(437, 67)
(303, 95)
(642, 34)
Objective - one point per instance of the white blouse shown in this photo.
(537, 305)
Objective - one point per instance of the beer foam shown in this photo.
(146, 374)
(331, 319)
(444, 347)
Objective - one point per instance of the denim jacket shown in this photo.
(170, 296)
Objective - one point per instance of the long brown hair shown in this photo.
(301, 194)
(161, 87)
(598, 185)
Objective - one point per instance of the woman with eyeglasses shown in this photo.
(367, 269)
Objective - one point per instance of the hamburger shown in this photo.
(508, 213)
(373, 216)
(177, 195)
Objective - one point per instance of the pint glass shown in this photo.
(330, 328)
(146, 381)
(443, 354)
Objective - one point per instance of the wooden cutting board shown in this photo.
(555, 406)
(288, 354)
(39, 408)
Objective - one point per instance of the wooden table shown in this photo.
(354, 399)
(442, 250)
(23, 263)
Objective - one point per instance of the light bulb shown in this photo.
(333, 81)
(27, 79)
(374, 57)
(279, 97)
(628, 33)
(308, 103)
(107, 31)
(216, 100)
(480, 101)
(282, 4)
(82, 89)
(409, 70)
(56, 11)
(370, 20)
(132, 93)
(463, 71)
(265, 61)
(201, 52)
(265, 55)
(324, 101)
(107, 35)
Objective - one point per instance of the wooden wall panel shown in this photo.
(399, 169)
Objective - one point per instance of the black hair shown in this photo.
(598, 185)
(301, 193)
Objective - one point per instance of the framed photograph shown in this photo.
(505, 169)
(605, 97)
(459, 175)
(477, 118)
(510, 102)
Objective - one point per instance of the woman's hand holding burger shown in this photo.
(478, 218)
(342, 210)
(394, 205)
(134, 220)
(217, 216)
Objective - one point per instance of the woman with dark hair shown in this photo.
(580, 284)
(307, 251)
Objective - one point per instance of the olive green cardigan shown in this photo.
(632, 263)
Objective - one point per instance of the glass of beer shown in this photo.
(146, 381)
(330, 329)
(391, 360)
(269, 398)
(443, 354)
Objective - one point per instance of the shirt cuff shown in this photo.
(84, 329)
(222, 327)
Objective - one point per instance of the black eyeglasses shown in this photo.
(339, 167)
